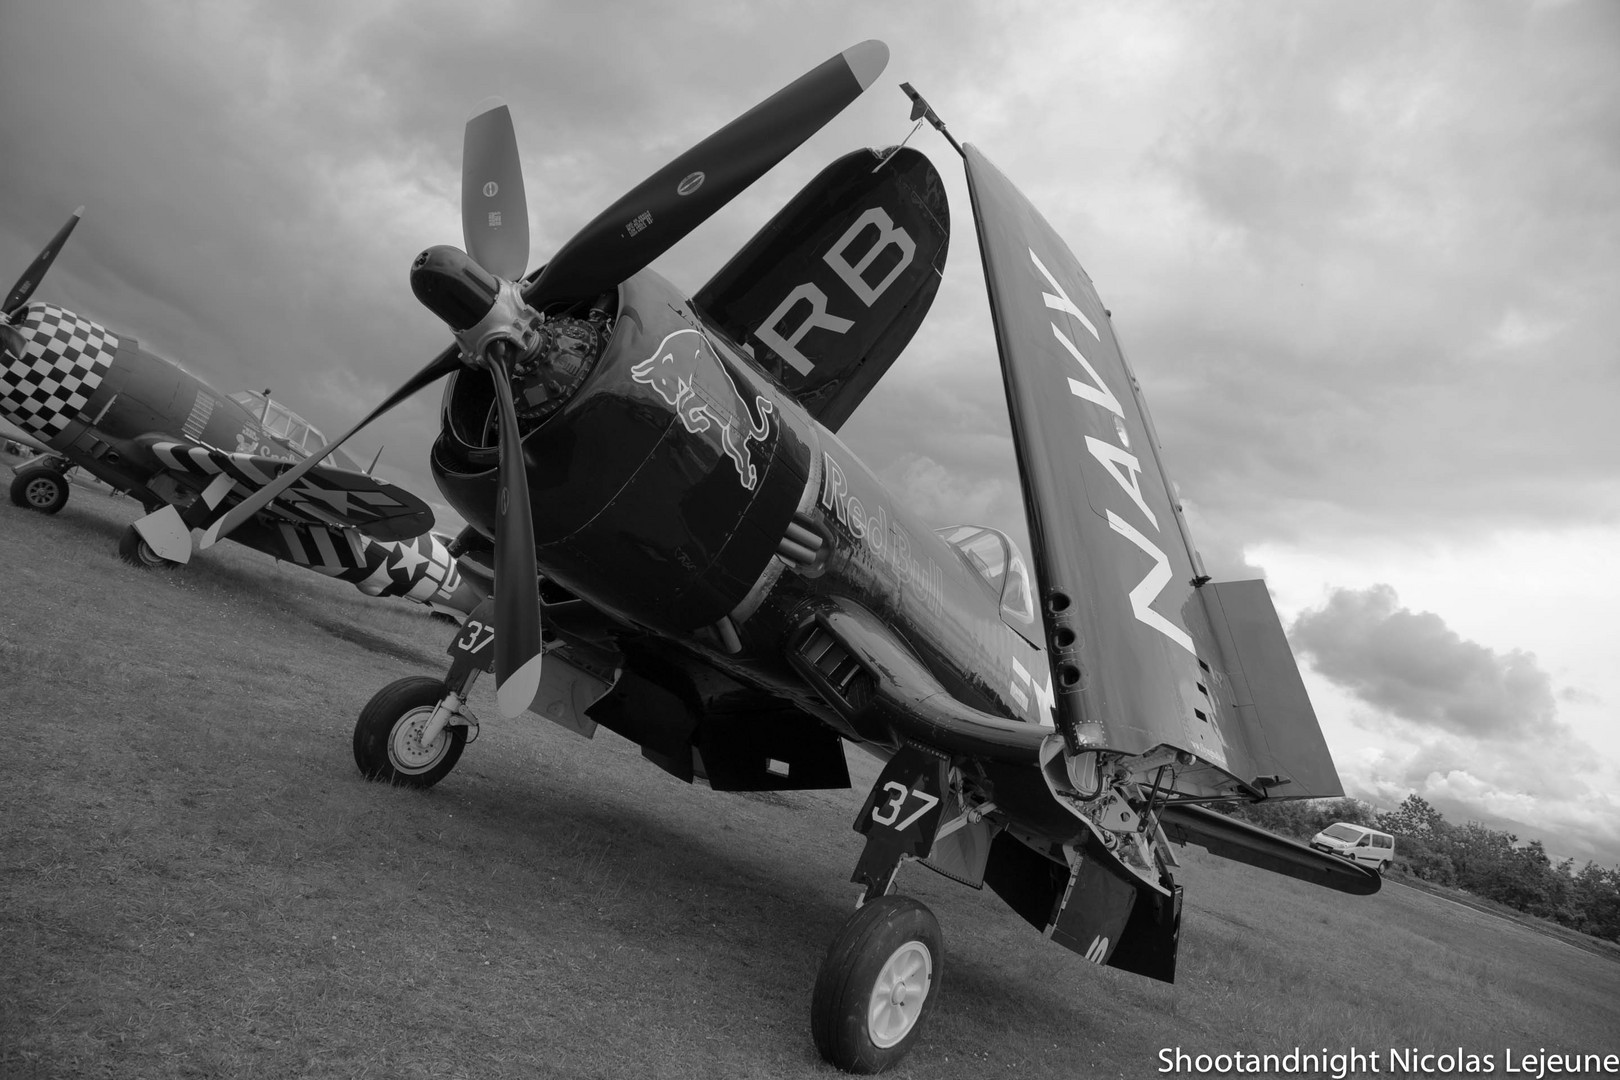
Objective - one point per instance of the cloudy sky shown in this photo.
(1365, 257)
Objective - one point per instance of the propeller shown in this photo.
(20, 292)
(652, 216)
(517, 610)
(494, 211)
(497, 324)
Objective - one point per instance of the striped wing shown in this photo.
(324, 496)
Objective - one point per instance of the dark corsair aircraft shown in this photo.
(723, 582)
(88, 397)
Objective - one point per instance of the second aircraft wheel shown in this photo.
(133, 549)
(40, 487)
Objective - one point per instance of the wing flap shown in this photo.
(1288, 756)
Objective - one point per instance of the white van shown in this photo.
(1359, 844)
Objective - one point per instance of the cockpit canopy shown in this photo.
(996, 559)
(289, 428)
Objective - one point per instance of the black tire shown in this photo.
(383, 746)
(137, 552)
(40, 487)
(878, 982)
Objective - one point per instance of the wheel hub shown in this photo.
(406, 751)
(898, 995)
(40, 491)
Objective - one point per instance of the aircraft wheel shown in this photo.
(388, 735)
(137, 552)
(40, 487)
(878, 982)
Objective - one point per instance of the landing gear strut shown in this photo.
(882, 973)
(412, 731)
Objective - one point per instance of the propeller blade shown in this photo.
(20, 292)
(517, 599)
(676, 199)
(440, 366)
(494, 212)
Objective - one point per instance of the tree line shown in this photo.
(1486, 862)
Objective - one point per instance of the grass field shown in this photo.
(195, 882)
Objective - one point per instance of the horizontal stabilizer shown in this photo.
(1241, 842)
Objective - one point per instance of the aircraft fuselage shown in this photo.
(89, 394)
(668, 490)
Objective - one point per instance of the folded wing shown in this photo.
(832, 289)
(1145, 652)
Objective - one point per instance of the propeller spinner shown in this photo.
(498, 324)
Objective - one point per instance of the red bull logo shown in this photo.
(683, 370)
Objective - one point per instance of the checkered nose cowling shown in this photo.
(64, 359)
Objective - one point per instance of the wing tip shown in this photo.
(866, 61)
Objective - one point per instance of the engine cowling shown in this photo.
(662, 468)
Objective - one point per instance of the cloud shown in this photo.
(1474, 730)
(1411, 664)
(942, 496)
(1564, 799)
(1309, 222)
(1343, 244)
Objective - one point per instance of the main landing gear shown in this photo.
(879, 980)
(388, 737)
(412, 731)
(134, 549)
(882, 973)
(42, 485)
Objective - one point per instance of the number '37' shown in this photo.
(888, 812)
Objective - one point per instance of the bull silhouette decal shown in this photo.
(678, 369)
